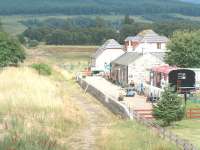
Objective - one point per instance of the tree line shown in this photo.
(82, 30)
(88, 7)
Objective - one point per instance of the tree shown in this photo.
(0, 23)
(100, 23)
(133, 29)
(11, 52)
(184, 49)
(32, 43)
(167, 28)
(21, 39)
(128, 20)
(170, 108)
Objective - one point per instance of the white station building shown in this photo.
(146, 41)
(102, 58)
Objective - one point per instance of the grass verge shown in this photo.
(35, 113)
(189, 128)
(129, 135)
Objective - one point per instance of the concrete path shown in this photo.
(137, 102)
(104, 86)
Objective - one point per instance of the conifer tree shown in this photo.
(170, 108)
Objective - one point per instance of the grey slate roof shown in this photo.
(109, 44)
(148, 36)
(130, 57)
(127, 58)
(134, 38)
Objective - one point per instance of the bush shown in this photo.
(42, 69)
(21, 39)
(170, 108)
(33, 43)
(11, 52)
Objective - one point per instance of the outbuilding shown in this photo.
(135, 67)
(104, 55)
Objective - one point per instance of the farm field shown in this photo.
(52, 112)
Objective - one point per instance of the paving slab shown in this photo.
(137, 102)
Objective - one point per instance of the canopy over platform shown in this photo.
(166, 69)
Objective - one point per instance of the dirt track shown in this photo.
(97, 118)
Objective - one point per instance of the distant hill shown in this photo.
(192, 1)
(88, 7)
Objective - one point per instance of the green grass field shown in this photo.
(191, 18)
(129, 135)
(189, 128)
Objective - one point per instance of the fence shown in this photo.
(119, 109)
(193, 113)
(148, 90)
(164, 133)
(146, 113)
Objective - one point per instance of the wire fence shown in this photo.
(164, 133)
(116, 108)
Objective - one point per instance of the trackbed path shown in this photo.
(96, 119)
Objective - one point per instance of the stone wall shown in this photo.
(112, 104)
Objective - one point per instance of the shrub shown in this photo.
(170, 108)
(11, 52)
(33, 43)
(42, 69)
(21, 39)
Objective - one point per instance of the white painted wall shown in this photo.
(106, 57)
(140, 69)
(147, 47)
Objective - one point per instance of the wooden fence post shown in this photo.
(190, 113)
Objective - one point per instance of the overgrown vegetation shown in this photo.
(169, 108)
(42, 68)
(11, 52)
(36, 113)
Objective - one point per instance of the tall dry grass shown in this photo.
(24, 87)
(35, 112)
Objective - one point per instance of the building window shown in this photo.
(158, 45)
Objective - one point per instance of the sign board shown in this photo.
(107, 67)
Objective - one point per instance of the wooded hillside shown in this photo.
(76, 7)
